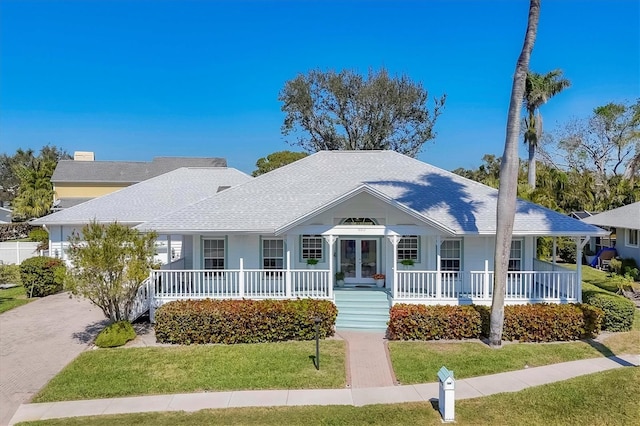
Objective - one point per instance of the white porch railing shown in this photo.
(142, 301)
(433, 287)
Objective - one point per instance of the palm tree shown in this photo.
(506, 206)
(539, 88)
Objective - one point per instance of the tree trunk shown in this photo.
(531, 174)
(509, 180)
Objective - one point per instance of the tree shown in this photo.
(506, 206)
(276, 160)
(345, 111)
(110, 262)
(539, 88)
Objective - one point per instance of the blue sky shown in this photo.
(131, 80)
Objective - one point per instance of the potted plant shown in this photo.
(379, 279)
(312, 263)
(407, 263)
(340, 279)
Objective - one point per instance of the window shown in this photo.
(213, 253)
(632, 237)
(359, 221)
(515, 256)
(450, 255)
(312, 247)
(273, 254)
(408, 247)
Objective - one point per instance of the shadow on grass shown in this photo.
(90, 331)
(605, 351)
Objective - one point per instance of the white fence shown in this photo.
(17, 251)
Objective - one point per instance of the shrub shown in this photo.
(618, 310)
(10, 274)
(42, 276)
(115, 334)
(420, 322)
(566, 250)
(243, 321)
(41, 236)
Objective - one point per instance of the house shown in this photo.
(626, 223)
(357, 212)
(81, 179)
(141, 202)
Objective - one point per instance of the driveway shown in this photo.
(39, 339)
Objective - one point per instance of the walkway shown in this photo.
(37, 341)
(466, 388)
(369, 365)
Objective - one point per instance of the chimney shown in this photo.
(84, 156)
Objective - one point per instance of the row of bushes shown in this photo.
(243, 321)
(618, 310)
(526, 323)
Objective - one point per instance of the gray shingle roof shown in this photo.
(623, 217)
(126, 171)
(279, 198)
(150, 198)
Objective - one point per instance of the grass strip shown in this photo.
(12, 298)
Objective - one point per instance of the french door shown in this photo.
(358, 259)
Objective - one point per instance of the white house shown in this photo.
(626, 221)
(356, 212)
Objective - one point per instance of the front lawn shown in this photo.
(12, 298)
(107, 373)
(419, 362)
(607, 398)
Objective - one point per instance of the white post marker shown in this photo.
(446, 400)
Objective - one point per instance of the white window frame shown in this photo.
(409, 248)
(311, 247)
(444, 259)
(516, 259)
(628, 233)
(218, 258)
(271, 244)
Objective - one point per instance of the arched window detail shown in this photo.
(360, 221)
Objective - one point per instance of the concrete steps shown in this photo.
(362, 309)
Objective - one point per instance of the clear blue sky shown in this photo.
(131, 80)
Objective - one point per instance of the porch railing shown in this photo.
(241, 283)
(477, 286)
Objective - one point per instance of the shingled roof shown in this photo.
(276, 200)
(126, 171)
(151, 198)
(623, 217)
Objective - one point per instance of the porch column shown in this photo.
(287, 276)
(553, 252)
(579, 246)
(169, 259)
(485, 290)
(330, 239)
(241, 279)
(395, 239)
(438, 275)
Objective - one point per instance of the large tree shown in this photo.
(276, 160)
(328, 110)
(110, 262)
(539, 88)
(506, 206)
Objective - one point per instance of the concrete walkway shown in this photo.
(39, 339)
(466, 388)
(367, 358)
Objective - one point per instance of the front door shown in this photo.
(358, 259)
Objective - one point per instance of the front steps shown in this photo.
(362, 309)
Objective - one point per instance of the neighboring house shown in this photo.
(5, 215)
(76, 181)
(357, 212)
(142, 202)
(626, 221)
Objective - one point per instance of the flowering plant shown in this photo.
(378, 276)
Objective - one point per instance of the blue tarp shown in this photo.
(594, 262)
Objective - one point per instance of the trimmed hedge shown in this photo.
(243, 321)
(526, 323)
(115, 334)
(420, 322)
(618, 310)
(42, 276)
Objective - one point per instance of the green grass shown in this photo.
(607, 398)
(12, 298)
(107, 373)
(419, 362)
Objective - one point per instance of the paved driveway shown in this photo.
(37, 340)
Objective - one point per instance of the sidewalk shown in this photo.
(465, 388)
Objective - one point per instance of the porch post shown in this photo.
(330, 239)
(241, 279)
(287, 276)
(152, 297)
(438, 274)
(395, 239)
(553, 257)
(485, 290)
(579, 245)
(169, 259)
